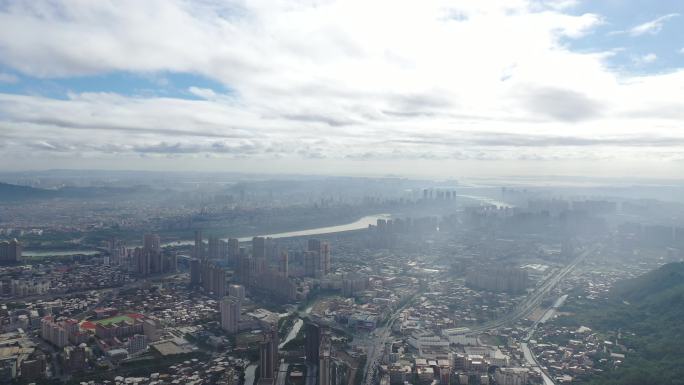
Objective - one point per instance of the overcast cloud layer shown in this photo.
(298, 81)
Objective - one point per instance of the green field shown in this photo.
(108, 321)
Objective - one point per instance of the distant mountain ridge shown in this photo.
(12, 192)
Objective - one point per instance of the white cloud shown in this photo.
(652, 27)
(560, 4)
(334, 79)
(8, 78)
(204, 93)
(650, 58)
(645, 59)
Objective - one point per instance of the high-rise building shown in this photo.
(213, 278)
(10, 251)
(151, 243)
(117, 251)
(499, 279)
(233, 251)
(314, 245)
(141, 261)
(155, 262)
(311, 264)
(74, 358)
(15, 249)
(324, 360)
(275, 284)
(151, 328)
(259, 260)
(244, 270)
(237, 291)
(312, 335)
(268, 357)
(259, 247)
(319, 265)
(214, 248)
(195, 272)
(150, 259)
(222, 249)
(170, 263)
(327, 262)
(8, 369)
(137, 343)
(271, 249)
(230, 314)
(354, 283)
(218, 281)
(32, 370)
(511, 376)
(61, 333)
(336, 370)
(259, 267)
(198, 251)
(283, 265)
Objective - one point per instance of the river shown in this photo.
(293, 332)
(57, 253)
(357, 225)
(361, 223)
(295, 328)
(249, 374)
(487, 200)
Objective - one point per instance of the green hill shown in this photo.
(11, 192)
(652, 286)
(649, 313)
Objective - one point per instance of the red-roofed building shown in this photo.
(101, 313)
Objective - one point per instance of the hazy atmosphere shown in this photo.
(304, 192)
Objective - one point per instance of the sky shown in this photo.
(430, 87)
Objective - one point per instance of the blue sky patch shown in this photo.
(645, 36)
(157, 84)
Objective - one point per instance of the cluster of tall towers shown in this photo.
(10, 251)
(317, 261)
(439, 194)
(266, 269)
(216, 248)
(205, 271)
(149, 259)
(264, 252)
(251, 267)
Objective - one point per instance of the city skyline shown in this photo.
(456, 284)
(341, 192)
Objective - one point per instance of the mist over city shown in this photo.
(334, 192)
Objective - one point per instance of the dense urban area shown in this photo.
(341, 192)
(196, 279)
